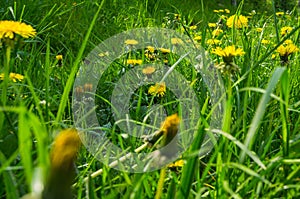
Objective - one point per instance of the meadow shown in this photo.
(251, 116)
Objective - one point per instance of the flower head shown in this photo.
(131, 42)
(148, 70)
(8, 29)
(217, 32)
(165, 50)
(175, 41)
(65, 149)
(212, 25)
(238, 21)
(285, 30)
(13, 76)
(134, 61)
(159, 89)
(170, 127)
(213, 42)
(285, 50)
(59, 57)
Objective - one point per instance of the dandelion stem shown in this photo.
(160, 184)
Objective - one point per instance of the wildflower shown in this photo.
(265, 41)
(13, 76)
(150, 49)
(213, 42)
(197, 38)
(134, 61)
(170, 127)
(285, 30)
(131, 42)
(286, 50)
(259, 29)
(216, 11)
(59, 57)
(178, 163)
(217, 32)
(193, 27)
(103, 54)
(8, 29)
(165, 50)
(212, 25)
(148, 70)
(238, 21)
(279, 14)
(288, 41)
(227, 11)
(221, 10)
(175, 41)
(62, 173)
(228, 53)
(159, 89)
(177, 16)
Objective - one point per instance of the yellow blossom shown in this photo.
(288, 41)
(8, 29)
(238, 21)
(197, 38)
(134, 61)
(65, 149)
(217, 32)
(131, 42)
(170, 127)
(165, 50)
(148, 70)
(227, 11)
(265, 41)
(159, 89)
(178, 163)
(228, 53)
(150, 49)
(213, 42)
(286, 50)
(103, 54)
(212, 25)
(193, 27)
(279, 14)
(285, 30)
(13, 76)
(175, 41)
(259, 29)
(59, 57)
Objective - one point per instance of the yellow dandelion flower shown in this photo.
(170, 127)
(259, 29)
(213, 42)
(265, 41)
(228, 53)
(212, 25)
(288, 41)
(221, 10)
(238, 21)
(65, 149)
(159, 89)
(285, 30)
(279, 14)
(131, 42)
(134, 61)
(197, 38)
(216, 11)
(8, 29)
(13, 76)
(103, 54)
(178, 163)
(193, 27)
(148, 70)
(150, 49)
(175, 41)
(286, 50)
(227, 11)
(217, 32)
(165, 50)
(59, 57)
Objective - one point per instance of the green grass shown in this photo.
(256, 154)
